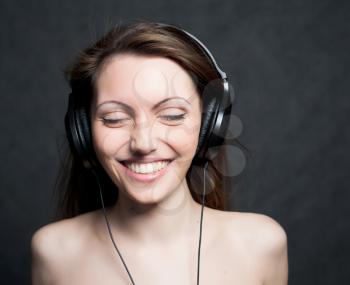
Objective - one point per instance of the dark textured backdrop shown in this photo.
(288, 62)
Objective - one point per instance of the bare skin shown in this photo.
(237, 248)
(156, 224)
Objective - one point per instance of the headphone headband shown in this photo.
(201, 45)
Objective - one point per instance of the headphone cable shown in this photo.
(115, 246)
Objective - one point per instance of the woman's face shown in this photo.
(147, 110)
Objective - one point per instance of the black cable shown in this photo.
(109, 230)
(115, 246)
(200, 231)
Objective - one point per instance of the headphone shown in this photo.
(213, 126)
(218, 104)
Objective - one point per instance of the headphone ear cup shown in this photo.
(78, 131)
(71, 127)
(221, 119)
(84, 132)
(214, 124)
(207, 119)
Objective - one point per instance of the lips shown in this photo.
(144, 161)
(146, 177)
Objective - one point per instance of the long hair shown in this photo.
(76, 190)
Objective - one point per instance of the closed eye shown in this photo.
(166, 117)
(113, 121)
(174, 117)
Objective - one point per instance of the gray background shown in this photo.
(288, 62)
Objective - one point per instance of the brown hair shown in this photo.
(76, 188)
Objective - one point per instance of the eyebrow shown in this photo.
(129, 108)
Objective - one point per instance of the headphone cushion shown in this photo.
(206, 125)
(84, 131)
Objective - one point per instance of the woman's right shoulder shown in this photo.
(57, 246)
(51, 236)
(62, 235)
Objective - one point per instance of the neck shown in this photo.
(174, 218)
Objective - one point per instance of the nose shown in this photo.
(142, 141)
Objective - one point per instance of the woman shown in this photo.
(142, 88)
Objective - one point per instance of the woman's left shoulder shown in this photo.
(262, 240)
(258, 230)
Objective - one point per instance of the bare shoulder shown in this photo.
(265, 231)
(55, 244)
(263, 240)
(66, 234)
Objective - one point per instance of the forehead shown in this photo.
(143, 80)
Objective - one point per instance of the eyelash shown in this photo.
(167, 117)
(174, 117)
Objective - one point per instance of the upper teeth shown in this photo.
(147, 167)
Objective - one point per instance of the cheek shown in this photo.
(184, 139)
(108, 141)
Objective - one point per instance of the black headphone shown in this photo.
(217, 103)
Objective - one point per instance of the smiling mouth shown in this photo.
(146, 168)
